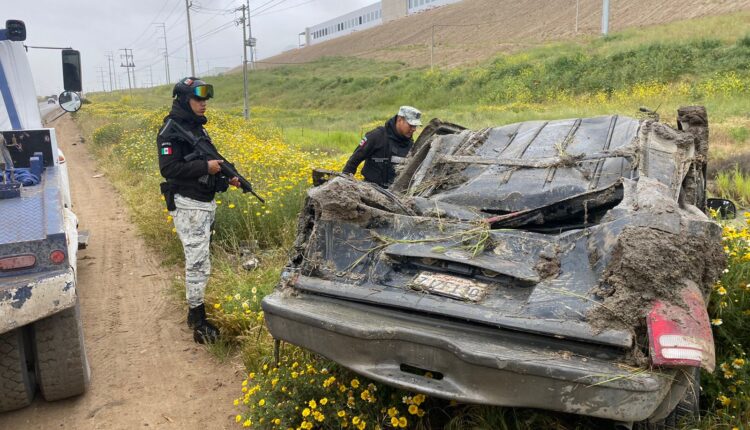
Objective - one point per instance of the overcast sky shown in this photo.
(100, 27)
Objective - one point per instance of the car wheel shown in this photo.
(687, 408)
(61, 364)
(16, 381)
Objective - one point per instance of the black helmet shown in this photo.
(193, 88)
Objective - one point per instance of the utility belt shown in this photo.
(393, 160)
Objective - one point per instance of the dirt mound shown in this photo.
(474, 30)
(657, 257)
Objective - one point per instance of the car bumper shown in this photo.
(473, 364)
(24, 300)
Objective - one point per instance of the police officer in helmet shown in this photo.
(192, 180)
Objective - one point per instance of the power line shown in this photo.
(284, 9)
(149, 24)
(266, 5)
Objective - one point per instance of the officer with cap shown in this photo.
(192, 180)
(385, 146)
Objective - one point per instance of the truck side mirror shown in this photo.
(15, 30)
(725, 208)
(71, 62)
(69, 101)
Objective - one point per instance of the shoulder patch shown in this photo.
(166, 150)
(163, 144)
(363, 142)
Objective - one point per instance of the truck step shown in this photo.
(83, 239)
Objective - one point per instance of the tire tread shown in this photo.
(16, 388)
(62, 366)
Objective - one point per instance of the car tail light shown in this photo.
(17, 262)
(57, 256)
(681, 335)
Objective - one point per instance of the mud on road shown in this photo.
(146, 372)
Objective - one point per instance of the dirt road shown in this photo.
(146, 371)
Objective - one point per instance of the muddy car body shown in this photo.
(560, 265)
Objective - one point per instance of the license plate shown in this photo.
(450, 286)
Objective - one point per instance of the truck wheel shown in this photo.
(16, 381)
(62, 368)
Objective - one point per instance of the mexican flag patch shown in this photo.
(166, 151)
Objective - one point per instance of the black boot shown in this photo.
(203, 331)
(196, 315)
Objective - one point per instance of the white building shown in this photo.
(360, 19)
(367, 17)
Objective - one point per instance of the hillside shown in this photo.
(474, 30)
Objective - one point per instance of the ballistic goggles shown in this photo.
(205, 91)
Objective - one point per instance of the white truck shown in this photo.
(41, 338)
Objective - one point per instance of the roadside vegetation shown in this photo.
(313, 115)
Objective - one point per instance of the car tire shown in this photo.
(16, 381)
(62, 368)
(687, 408)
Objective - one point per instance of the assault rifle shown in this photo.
(202, 147)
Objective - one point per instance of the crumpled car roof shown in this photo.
(574, 226)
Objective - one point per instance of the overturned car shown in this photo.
(562, 265)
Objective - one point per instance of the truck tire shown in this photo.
(16, 381)
(62, 368)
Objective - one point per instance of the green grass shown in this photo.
(734, 185)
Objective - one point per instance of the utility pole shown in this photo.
(128, 64)
(251, 42)
(246, 110)
(190, 38)
(112, 71)
(432, 49)
(150, 76)
(101, 76)
(166, 50)
(605, 17)
(577, 10)
(109, 66)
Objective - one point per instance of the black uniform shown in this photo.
(380, 150)
(186, 178)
